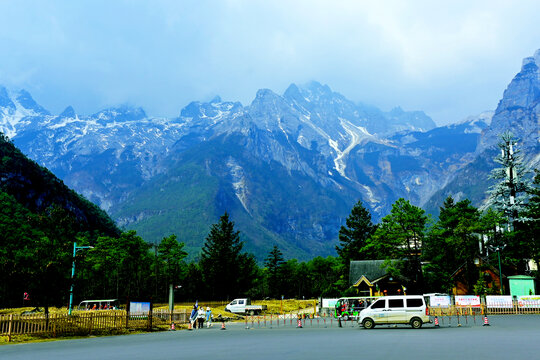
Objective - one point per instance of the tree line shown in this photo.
(36, 251)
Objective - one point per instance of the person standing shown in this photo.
(200, 317)
(208, 317)
(193, 317)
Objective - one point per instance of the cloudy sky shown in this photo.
(451, 59)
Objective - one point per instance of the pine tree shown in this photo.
(274, 263)
(510, 194)
(220, 259)
(451, 243)
(354, 236)
(400, 236)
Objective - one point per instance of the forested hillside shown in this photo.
(40, 218)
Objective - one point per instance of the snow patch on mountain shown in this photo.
(238, 181)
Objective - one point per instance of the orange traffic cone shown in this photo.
(436, 321)
(299, 326)
(486, 321)
(189, 327)
(223, 326)
(173, 327)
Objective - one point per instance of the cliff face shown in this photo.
(519, 112)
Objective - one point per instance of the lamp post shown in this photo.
(75, 248)
(498, 250)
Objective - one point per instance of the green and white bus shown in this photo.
(348, 308)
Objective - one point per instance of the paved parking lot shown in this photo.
(508, 337)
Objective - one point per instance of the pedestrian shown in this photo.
(200, 317)
(208, 317)
(193, 317)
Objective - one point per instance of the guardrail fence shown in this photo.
(86, 322)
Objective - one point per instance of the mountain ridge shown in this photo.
(288, 167)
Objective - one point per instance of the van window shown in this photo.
(240, 302)
(415, 303)
(379, 304)
(395, 303)
(233, 302)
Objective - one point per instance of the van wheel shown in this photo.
(416, 323)
(252, 312)
(345, 317)
(368, 324)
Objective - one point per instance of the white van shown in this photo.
(403, 309)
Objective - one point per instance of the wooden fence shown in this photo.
(86, 322)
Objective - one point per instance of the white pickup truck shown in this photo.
(243, 306)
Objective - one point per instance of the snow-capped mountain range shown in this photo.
(288, 168)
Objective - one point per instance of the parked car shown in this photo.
(403, 309)
(243, 306)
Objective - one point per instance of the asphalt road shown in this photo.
(508, 337)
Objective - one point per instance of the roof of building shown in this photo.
(371, 270)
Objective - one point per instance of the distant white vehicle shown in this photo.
(243, 306)
(402, 309)
(108, 304)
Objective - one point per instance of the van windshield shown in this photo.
(379, 304)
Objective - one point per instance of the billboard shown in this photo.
(139, 308)
(439, 301)
(467, 300)
(529, 301)
(499, 301)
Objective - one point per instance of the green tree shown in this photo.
(400, 236)
(452, 242)
(323, 275)
(353, 238)
(121, 266)
(220, 259)
(274, 262)
(170, 256)
(531, 227)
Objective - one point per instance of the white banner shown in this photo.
(529, 301)
(467, 300)
(329, 303)
(439, 301)
(499, 301)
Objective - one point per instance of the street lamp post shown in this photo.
(500, 269)
(498, 250)
(75, 248)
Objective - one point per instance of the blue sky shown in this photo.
(451, 59)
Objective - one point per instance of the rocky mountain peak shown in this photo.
(524, 90)
(122, 113)
(216, 100)
(26, 101)
(519, 109)
(5, 100)
(267, 101)
(315, 90)
(68, 112)
(293, 93)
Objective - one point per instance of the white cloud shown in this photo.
(451, 59)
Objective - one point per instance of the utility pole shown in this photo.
(75, 248)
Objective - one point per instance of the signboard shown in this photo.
(439, 301)
(529, 301)
(499, 301)
(329, 303)
(139, 308)
(467, 300)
